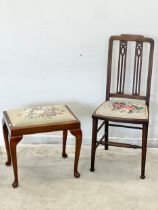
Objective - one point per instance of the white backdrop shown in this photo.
(55, 51)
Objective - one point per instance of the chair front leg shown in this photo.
(5, 134)
(144, 149)
(78, 135)
(94, 138)
(106, 135)
(13, 143)
(64, 144)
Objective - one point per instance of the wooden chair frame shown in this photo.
(13, 135)
(120, 93)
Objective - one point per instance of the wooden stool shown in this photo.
(30, 120)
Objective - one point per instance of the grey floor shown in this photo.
(47, 182)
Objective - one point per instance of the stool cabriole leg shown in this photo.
(5, 134)
(78, 135)
(13, 143)
(64, 155)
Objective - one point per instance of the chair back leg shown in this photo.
(106, 135)
(94, 138)
(144, 149)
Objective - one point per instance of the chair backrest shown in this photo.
(136, 70)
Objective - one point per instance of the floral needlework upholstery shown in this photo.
(123, 109)
(39, 115)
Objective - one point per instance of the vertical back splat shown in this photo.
(121, 67)
(137, 68)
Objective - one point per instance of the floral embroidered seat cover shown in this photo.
(39, 115)
(123, 109)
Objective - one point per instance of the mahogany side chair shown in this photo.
(129, 71)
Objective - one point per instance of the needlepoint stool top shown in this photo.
(40, 115)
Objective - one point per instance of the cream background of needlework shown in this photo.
(105, 110)
(17, 116)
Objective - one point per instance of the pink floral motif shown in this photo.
(117, 106)
(40, 112)
(126, 107)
